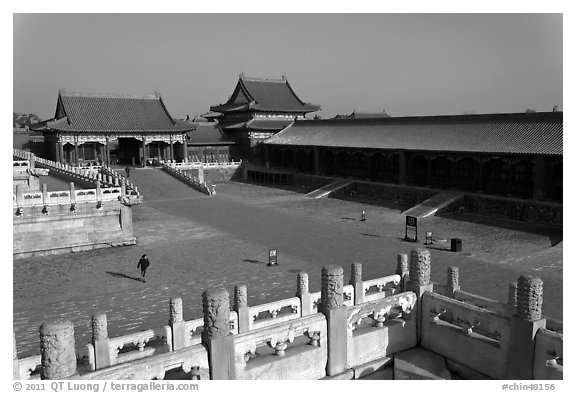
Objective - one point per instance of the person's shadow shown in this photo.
(123, 275)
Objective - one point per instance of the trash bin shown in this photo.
(456, 245)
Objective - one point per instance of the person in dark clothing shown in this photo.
(143, 264)
(127, 172)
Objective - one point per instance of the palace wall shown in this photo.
(59, 229)
(58, 221)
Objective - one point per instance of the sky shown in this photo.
(406, 64)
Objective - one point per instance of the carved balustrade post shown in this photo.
(19, 195)
(45, 194)
(402, 271)
(15, 362)
(72, 193)
(303, 292)
(122, 187)
(101, 341)
(241, 307)
(57, 350)
(98, 193)
(356, 282)
(180, 336)
(216, 335)
(452, 281)
(525, 324)
(332, 306)
(419, 281)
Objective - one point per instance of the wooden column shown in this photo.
(58, 149)
(76, 150)
(171, 149)
(107, 160)
(144, 155)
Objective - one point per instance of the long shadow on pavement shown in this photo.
(122, 275)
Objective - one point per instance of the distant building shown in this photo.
(207, 143)
(517, 155)
(130, 129)
(363, 115)
(257, 109)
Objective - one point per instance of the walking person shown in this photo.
(127, 172)
(143, 264)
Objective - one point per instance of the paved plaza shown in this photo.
(195, 242)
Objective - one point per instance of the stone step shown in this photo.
(329, 188)
(419, 364)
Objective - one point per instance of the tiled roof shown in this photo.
(207, 134)
(261, 124)
(112, 113)
(267, 95)
(269, 124)
(519, 133)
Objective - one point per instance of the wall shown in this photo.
(61, 230)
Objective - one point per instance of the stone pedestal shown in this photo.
(57, 350)
(419, 281)
(452, 281)
(241, 307)
(180, 335)
(525, 324)
(216, 334)
(332, 306)
(303, 292)
(402, 271)
(101, 341)
(356, 282)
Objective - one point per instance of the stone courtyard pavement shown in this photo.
(195, 242)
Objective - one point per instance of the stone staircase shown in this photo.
(431, 205)
(329, 188)
(155, 184)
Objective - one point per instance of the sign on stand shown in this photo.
(273, 257)
(411, 229)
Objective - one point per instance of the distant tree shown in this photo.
(530, 110)
(22, 120)
(317, 117)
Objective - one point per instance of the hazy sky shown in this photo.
(408, 64)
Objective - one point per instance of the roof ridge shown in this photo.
(253, 78)
(155, 96)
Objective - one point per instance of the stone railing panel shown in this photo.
(140, 344)
(111, 194)
(29, 368)
(296, 349)
(385, 286)
(85, 195)
(549, 355)
(499, 308)
(380, 328)
(456, 329)
(32, 199)
(192, 360)
(268, 314)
